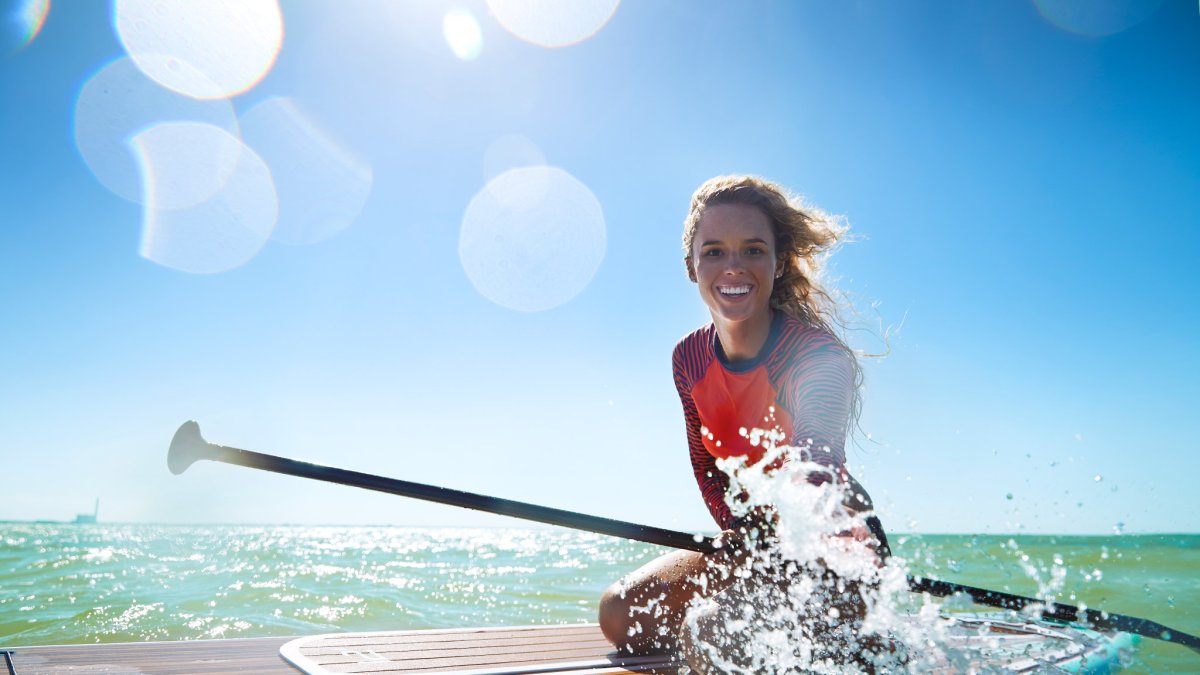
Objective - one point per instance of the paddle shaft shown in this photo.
(663, 537)
(1055, 611)
(469, 500)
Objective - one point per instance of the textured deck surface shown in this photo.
(496, 651)
(564, 649)
(198, 657)
(978, 643)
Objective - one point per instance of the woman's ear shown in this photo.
(691, 268)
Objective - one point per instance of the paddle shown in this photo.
(188, 446)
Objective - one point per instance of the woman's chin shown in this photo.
(736, 313)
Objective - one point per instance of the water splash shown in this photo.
(809, 593)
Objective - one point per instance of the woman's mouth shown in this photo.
(733, 291)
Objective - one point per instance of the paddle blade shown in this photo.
(187, 447)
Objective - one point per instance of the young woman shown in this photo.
(771, 360)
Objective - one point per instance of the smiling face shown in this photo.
(734, 263)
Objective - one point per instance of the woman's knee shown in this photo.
(614, 614)
(631, 621)
(640, 611)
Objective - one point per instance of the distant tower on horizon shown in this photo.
(88, 518)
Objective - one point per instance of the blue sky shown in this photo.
(1023, 178)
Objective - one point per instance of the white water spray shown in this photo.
(810, 593)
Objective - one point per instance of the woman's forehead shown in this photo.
(733, 222)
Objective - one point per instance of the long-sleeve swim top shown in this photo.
(801, 384)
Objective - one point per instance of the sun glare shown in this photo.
(22, 21)
(510, 151)
(463, 34)
(1096, 19)
(222, 232)
(532, 239)
(118, 102)
(321, 186)
(553, 23)
(211, 49)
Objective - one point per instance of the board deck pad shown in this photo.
(987, 642)
(477, 651)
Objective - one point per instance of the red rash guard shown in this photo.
(800, 384)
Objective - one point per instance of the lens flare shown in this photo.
(118, 102)
(206, 50)
(510, 151)
(321, 187)
(190, 164)
(20, 23)
(463, 34)
(1096, 18)
(532, 239)
(219, 234)
(553, 23)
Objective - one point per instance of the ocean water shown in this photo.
(63, 584)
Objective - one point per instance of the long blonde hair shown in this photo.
(804, 237)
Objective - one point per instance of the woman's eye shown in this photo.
(754, 250)
(712, 252)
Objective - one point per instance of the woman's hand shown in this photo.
(860, 539)
(756, 529)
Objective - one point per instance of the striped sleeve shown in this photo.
(713, 482)
(821, 389)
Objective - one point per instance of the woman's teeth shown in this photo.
(735, 290)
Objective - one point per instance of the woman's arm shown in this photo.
(856, 499)
(713, 482)
(822, 392)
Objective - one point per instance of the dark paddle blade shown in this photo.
(1056, 612)
(188, 446)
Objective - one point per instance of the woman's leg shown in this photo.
(818, 614)
(643, 612)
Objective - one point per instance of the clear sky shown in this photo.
(349, 249)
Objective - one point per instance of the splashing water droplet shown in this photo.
(1098, 478)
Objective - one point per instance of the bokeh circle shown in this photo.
(532, 238)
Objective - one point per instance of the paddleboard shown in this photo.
(984, 643)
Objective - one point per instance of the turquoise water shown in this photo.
(64, 584)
